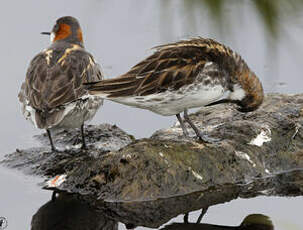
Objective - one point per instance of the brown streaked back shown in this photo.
(55, 76)
(171, 67)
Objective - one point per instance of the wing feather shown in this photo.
(49, 85)
(170, 67)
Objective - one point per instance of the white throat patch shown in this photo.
(52, 37)
(238, 93)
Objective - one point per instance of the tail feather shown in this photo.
(121, 93)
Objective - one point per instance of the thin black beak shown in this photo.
(46, 33)
(221, 102)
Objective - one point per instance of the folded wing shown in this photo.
(50, 85)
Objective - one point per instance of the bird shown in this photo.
(182, 75)
(250, 222)
(52, 96)
(69, 211)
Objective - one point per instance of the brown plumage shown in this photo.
(171, 66)
(177, 64)
(201, 70)
(51, 85)
(52, 95)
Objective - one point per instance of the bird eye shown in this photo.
(56, 28)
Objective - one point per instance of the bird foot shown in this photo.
(84, 147)
(75, 140)
(56, 150)
(207, 139)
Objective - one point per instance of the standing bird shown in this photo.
(183, 75)
(52, 95)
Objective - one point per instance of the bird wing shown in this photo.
(170, 67)
(56, 78)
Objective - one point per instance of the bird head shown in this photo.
(246, 92)
(66, 29)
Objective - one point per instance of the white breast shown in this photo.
(76, 113)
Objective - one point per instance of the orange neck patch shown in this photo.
(63, 32)
(79, 35)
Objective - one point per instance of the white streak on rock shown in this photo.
(78, 146)
(197, 175)
(264, 136)
(245, 156)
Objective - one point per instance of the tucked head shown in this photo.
(252, 89)
(247, 93)
(66, 29)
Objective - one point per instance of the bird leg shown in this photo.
(54, 195)
(203, 212)
(51, 141)
(185, 132)
(203, 137)
(130, 226)
(84, 146)
(185, 218)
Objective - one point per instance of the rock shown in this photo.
(260, 152)
(103, 137)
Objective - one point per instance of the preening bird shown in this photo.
(183, 75)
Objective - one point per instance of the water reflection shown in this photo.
(119, 33)
(251, 222)
(67, 211)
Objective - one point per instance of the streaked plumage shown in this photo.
(52, 95)
(184, 75)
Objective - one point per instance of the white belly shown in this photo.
(76, 113)
(173, 102)
(71, 115)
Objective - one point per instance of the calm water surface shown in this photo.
(119, 34)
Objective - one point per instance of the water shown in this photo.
(119, 34)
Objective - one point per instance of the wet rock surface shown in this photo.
(103, 137)
(139, 181)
